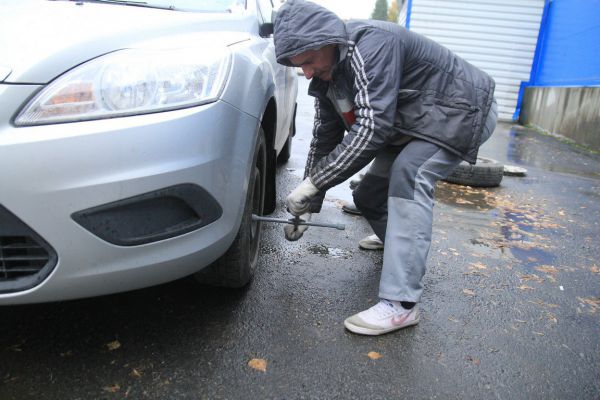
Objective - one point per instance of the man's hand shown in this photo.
(292, 232)
(298, 201)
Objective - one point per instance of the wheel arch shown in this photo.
(268, 123)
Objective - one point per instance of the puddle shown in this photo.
(518, 234)
(463, 196)
(529, 148)
(332, 252)
(501, 225)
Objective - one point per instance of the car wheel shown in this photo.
(286, 152)
(237, 266)
(484, 173)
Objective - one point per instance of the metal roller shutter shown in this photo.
(498, 36)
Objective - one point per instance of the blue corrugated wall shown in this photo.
(568, 49)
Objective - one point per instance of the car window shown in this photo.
(203, 5)
(266, 9)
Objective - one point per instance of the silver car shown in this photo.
(136, 141)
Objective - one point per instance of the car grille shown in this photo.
(25, 258)
(21, 256)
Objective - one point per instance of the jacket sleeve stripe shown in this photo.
(364, 133)
(313, 144)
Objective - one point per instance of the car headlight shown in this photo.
(130, 82)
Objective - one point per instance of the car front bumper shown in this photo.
(53, 172)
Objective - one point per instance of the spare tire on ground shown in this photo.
(484, 173)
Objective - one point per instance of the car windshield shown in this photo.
(201, 5)
(184, 5)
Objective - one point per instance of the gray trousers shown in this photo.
(396, 197)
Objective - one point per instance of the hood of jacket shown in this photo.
(301, 25)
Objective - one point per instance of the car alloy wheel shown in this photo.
(237, 266)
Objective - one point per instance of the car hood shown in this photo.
(43, 39)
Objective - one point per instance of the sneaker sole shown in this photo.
(370, 332)
(370, 247)
(351, 211)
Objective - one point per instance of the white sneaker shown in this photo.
(383, 317)
(371, 243)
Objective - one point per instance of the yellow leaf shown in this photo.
(593, 302)
(524, 287)
(468, 292)
(548, 269)
(531, 277)
(373, 355)
(258, 364)
(462, 201)
(112, 389)
(478, 265)
(113, 345)
(136, 373)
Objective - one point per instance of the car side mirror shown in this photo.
(266, 30)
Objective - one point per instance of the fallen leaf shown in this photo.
(8, 379)
(478, 265)
(115, 344)
(547, 269)
(373, 355)
(595, 269)
(453, 319)
(475, 361)
(552, 318)
(593, 302)
(136, 373)
(258, 364)
(531, 277)
(112, 389)
(463, 201)
(468, 292)
(525, 287)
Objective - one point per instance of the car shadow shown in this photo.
(126, 326)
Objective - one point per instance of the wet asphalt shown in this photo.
(511, 308)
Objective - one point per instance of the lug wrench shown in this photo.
(297, 221)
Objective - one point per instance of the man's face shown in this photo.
(318, 63)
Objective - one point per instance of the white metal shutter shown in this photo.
(498, 36)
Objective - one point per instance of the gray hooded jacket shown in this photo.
(400, 84)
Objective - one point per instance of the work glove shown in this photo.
(293, 233)
(298, 201)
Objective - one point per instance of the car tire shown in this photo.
(237, 266)
(286, 152)
(484, 173)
